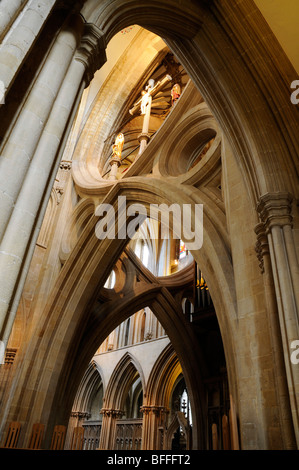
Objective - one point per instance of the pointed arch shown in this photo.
(113, 16)
(73, 317)
(163, 377)
(124, 374)
(256, 152)
(90, 384)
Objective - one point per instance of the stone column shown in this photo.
(9, 12)
(286, 434)
(17, 44)
(108, 431)
(23, 140)
(76, 419)
(115, 162)
(144, 137)
(153, 426)
(46, 131)
(275, 214)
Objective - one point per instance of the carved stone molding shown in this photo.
(157, 410)
(148, 336)
(275, 209)
(112, 413)
(60, 182)
(262, 245)
(80, 415)
(65, 165)
(92, 50)
(10, 355)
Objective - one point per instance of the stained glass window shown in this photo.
(183, 250)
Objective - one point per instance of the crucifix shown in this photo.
(144, 105)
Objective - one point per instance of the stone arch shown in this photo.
(185, 140)
(75, 225)
(88, 256)
(163, 377)
(237, 121)
(92, 379)
(121, 380)
(91, 386)
(123, 373)
(156, 406)
(169, 314)
(111, 17)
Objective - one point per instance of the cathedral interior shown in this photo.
(137, 340)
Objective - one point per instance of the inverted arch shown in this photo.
(84, 272)
(169, 314)
(255, 150)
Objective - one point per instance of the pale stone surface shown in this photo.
(247, 182)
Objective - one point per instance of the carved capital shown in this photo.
(80, 415)
(92, 50)
(115, 161)
(155, 409)
(144, 136)
(275, 209)
(145, 409)
(112, 413)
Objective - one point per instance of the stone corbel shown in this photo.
(156, 409)
(92, 50)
